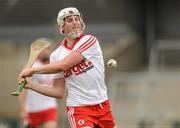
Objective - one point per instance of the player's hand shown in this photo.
(25, 73)
(29, 83)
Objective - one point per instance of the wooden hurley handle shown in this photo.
(36, 48)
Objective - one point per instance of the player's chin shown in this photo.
(74, 35)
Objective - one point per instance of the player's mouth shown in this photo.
(75, 29)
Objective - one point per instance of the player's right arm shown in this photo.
(86, 50)
(59, 66)
(56, 91)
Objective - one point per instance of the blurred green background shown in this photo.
(142, 35)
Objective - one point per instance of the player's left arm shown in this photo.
(57, 90)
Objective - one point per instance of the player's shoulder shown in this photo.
(88, 36)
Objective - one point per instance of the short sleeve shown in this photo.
(88, 46)
(53, 60)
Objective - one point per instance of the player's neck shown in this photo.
(70, 42)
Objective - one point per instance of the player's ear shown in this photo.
(61, 29)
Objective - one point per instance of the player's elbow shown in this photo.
(60, 96)
(62, 66)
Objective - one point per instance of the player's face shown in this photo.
(72, 24)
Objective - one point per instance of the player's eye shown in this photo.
(69, 19)
(77, 19)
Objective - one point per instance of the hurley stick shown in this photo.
(37, 47)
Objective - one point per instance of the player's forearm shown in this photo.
(59, 66)
(48, 91)
(50, 68)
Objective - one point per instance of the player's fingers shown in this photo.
(27, 86)
(28, 83)
(20, 78)
(27, 80)
(24, 73)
